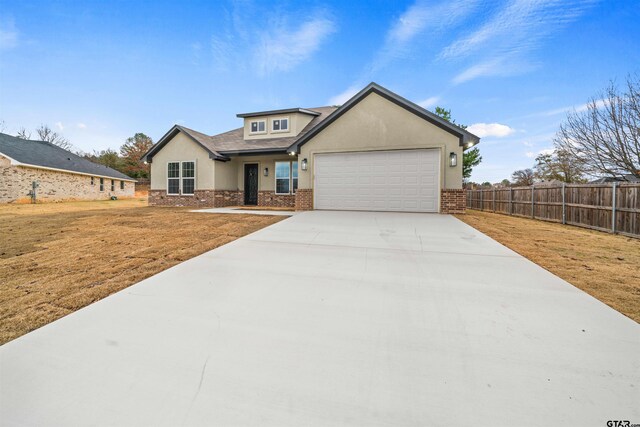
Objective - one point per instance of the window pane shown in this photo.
(282, 170)
(174, 186)
(122, 185)
(188, 169)
(188, 185)
(276, 125)
(173, 170)
(294, 169)
(261, 126)
(295, 184)
(284, 124)
(282, 186)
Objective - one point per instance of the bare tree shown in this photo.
(23, 133)
(46, 134)
(522, 178)
(606, 136)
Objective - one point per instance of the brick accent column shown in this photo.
(453, 201)
(304, 199)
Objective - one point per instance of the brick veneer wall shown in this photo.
(15, 185)
(304, 199)
(453, 201)
(224, 198)
(200, 199)
(270, 198)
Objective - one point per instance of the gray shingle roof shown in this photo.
(47, 155)
(233, 142)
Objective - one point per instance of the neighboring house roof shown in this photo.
(233, 142)
(285, 111)
(624, 178)
(44, 155)
(467, 139)
(222, 145)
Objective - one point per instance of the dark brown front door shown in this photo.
(251, 184)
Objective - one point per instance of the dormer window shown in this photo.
(258, 126)
(280, 125)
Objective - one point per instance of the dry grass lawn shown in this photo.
(59, 257)
(605, 266)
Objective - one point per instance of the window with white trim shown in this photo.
(181, 178)
(280, 125)
(286, 177)
(173, 178)
(258, 126)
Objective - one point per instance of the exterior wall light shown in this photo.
(453, 159)
(266, 171)
(304, 164)
(292, 153)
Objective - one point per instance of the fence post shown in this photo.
(564, 211)
(532, 202)
(494, 200)
(481, 200)
(613, 207)
(510, 200)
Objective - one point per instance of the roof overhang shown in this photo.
(466, 139)
(176, 129)
(256, 152)
(274, 112)
(14, 162)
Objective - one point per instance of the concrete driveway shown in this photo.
(334, 318)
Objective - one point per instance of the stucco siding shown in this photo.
(16, 183)
(378, 124)
(182, 148)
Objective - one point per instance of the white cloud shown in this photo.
(281, 48)
(429, 102)
(343, 97)
(275, 44)
(484, 130)
(81, 126)
(421, 17)
(501, 43)
(8, 34)
(530, 154)
(546, 151)
(60, 126)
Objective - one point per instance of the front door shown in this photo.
(251, 184)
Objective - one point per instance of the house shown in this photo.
(623, 178)
(378, 151)
(54, 174)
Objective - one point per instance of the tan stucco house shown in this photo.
(378, 151)
(54, 174)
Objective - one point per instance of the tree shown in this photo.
(470, 158)
(606, 136)
(23, 133)
(559, 165)
(523, 178)
(106, 157)
(132, 151)
(46, 134)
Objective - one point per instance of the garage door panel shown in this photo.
(405, 180)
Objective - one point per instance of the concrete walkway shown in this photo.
(246, 211)
(331, 319)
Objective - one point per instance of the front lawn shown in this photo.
(57, 258)
(605, 266)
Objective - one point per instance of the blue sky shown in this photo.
(98, 72)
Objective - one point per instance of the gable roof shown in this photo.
(285, 111)
(233, 143)
(44, 155)
(467, 139)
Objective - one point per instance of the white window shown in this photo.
(280, 125)
(173, 178)
(258, 126)
(286, 177)
(188, 177)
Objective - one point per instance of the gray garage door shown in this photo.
(403, 180)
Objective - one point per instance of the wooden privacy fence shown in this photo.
(606, 207)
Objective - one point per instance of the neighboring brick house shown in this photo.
(377, 152)
(58, 174)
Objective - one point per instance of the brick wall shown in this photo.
(15, 185)
(200, 199)
(304, 199)
(224, 198)
(271, 199)
(453, 201)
